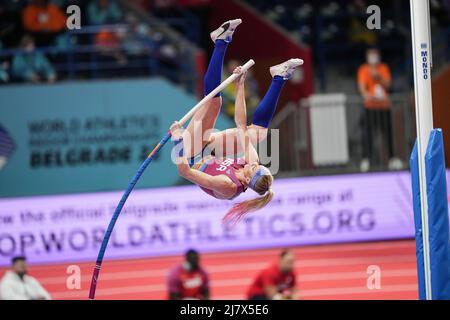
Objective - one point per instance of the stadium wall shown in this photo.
(87, 136)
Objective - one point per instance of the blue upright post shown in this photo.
(438, 220)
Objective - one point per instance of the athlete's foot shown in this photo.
(225, 31)
(286, 68)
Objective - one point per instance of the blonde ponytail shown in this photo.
(239, 210)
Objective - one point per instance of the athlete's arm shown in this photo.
(220, 184)
(240, 118)
(240, 108)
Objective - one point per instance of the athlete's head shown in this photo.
(249, 171)
(258, 178)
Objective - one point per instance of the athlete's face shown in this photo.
(249, 170)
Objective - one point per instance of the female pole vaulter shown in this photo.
(204, 164)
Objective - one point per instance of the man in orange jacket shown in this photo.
(374, 82)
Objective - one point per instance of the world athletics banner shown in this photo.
(84, 137)
(166, 221)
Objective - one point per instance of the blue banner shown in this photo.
(87, 136)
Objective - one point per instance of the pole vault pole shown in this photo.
(142, 168)
(421, 49)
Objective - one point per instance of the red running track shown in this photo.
(324, 272)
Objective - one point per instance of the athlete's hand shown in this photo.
(176, 129)
(241, 78)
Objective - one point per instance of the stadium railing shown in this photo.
(294, 122)
(82, 58)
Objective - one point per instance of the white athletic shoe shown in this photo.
(225, 31)
(286, 68)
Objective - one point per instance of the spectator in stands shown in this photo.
(109, 44)
(107, 40)
(44, 21)
(277, 282)
(136, 37)
(103, 12)
(189, 280)
(16, 284)
(374, 82)
(31, 65)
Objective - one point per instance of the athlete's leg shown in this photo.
(266, 108)
(226, 140)
(205, 118)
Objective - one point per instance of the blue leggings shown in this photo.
(266, 108)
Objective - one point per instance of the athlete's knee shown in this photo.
(257, 133)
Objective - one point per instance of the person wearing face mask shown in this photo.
(188, 280)
(16, 284)
(31, 65)
(374, 82)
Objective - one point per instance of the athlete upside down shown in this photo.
(206, 164)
